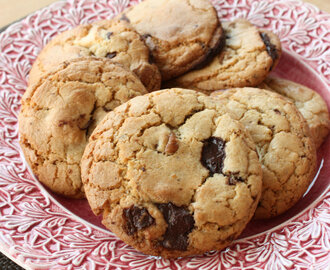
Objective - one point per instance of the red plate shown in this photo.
(41, 230)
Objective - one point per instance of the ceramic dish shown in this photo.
(41, 230)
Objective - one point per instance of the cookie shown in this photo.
(60, 111)
(112, 39)
(310, 104)
(247, 58)
(171, 175)
(181, 34)
(283, 142)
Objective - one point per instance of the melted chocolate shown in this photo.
(213, 154)
(136, 219)
(180, 223)
(271, 48)
(212, 52)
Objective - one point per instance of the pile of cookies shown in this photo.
(182, 170)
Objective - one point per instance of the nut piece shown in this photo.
(172, 145)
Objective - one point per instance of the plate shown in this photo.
(41, 230)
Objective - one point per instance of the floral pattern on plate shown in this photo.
(38, 231)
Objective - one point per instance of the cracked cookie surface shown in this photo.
(248, 56)
(112, 39)
(180, 34)
(310, 104)
(60, 111)
(171, 175)
(282, 137)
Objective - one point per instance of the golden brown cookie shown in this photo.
(171, 175)
(60, 111)
(181, 34)
(112, 39)
(310, 104)
(283, 141)
(247, 58)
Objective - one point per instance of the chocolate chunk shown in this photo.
(213, 154)
(124, 18)
(180, 223)
(111, 55)
(172, 145)
(271, 48)
(277, 111)
(109, 34)
(211, 53)
(136, 219)
(234, 178)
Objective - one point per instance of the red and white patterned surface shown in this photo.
(41, 230)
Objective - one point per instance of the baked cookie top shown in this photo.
(282, 137)
(246, 60)
(112, 39)
(60, 111)
(310, 104)
(171, 175)
(180, 34)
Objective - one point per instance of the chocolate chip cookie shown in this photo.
(60, 111)
(111, 39)
(310, 104)
(171, 175)
(247, 58)
(181, 34)
(283, 141)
